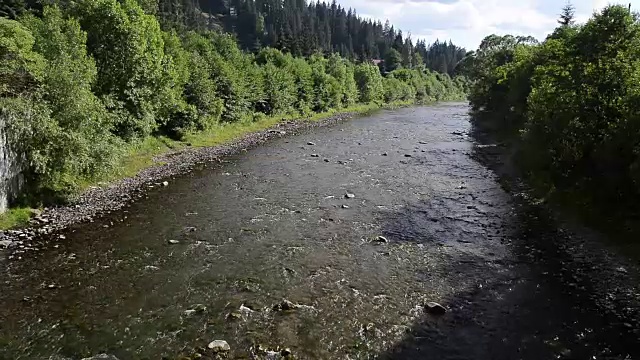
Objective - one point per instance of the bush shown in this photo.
(65, 131)
(280, 89)
(370, 83)
(342, 71)
(128, 48)
(21, 68)
(303, 77)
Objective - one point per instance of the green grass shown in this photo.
(15, 217)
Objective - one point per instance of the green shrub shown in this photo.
(370, 83)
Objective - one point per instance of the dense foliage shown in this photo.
(293, 26)
(571, 102)
(80, 80)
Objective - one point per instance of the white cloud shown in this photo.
(467, 22)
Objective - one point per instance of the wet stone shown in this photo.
(218, 346)
(102, 357)
(310, 143)
(349, 196)
(286, 352)
(315, 155)
(5, 243)
(285, 305)
(434, 308)
(382, 239)
(173, 242)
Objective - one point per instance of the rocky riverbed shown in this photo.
(99, 201)
(385, 237)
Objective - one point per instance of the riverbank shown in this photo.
(152, 163)
(573, 252)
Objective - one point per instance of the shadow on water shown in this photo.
(552, 293)
(540, 305)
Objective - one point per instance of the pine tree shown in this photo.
(567, 17)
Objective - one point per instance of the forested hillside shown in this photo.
(292, 26)
(572, 106)
(83, 82)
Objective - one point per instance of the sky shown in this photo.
(467, 22)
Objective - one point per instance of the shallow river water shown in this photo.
(275, 223)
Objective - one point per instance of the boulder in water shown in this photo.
(218, 346)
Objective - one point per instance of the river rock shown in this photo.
(165, 183)
(286, 352)
(174, 242)
(245, 310)
(434, 308)
(41, 219)
(197, 309)
(5, 243)
(315, 155)
(408, 155)
(285, 305)
(349, 196)
(102, 357)
(382, 239)
(310, 143)
(218, 346)
(622, 270)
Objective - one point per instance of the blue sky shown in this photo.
(467, 22)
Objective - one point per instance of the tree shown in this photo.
(21, 68)
(77, 142)
(128, 48)
(570, 104)
(567, 16)
(369, 80)
(392, 60)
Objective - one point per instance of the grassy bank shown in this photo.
(140, 156)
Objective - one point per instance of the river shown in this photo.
(359, 224)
